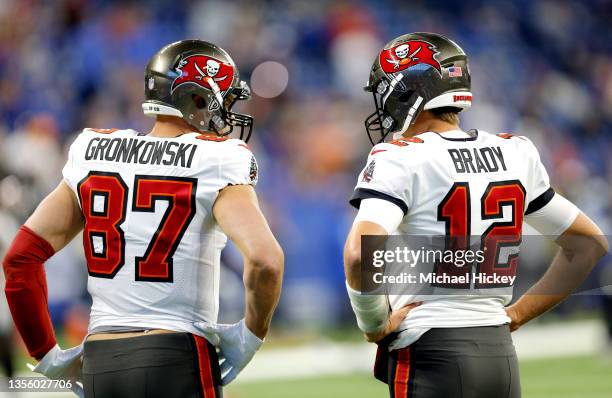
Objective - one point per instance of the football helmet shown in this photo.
(415, 72)
(198, 82)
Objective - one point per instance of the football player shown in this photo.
(434, 179)
(156, 210)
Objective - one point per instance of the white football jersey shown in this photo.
(151, 243)
(458, 184)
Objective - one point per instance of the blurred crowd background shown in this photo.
(539, 68)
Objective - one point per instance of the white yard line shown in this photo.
(314, 359)
(560, 339)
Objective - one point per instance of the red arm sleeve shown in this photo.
(26, 290)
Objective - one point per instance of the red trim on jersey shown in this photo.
(206, 377)
(214, 138)
(402, 373)
(378, 150)
(400, 142)
(407, 141)
(26, 290)
(507, 136)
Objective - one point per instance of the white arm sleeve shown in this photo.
(371, 310)
(381, 212)
(554, 218)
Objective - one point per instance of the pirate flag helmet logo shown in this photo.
(408, 54)
(201, 70)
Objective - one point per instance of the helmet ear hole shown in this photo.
(199, 102)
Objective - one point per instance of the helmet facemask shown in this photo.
(209, 110)
(396, 108)
(234, 119)
(377, 123)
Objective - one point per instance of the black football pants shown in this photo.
(477, 362)
(178, 365)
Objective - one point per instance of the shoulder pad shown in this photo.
(392, 145)
(402, 142)
(228, 145)
(240, 143)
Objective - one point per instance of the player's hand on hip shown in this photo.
(62, 364)
(515, 319)
(237, 344)
(395, 319)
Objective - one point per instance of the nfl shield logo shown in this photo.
(368, 173)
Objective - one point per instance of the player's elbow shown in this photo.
(10, 266)
(592, 247)
(595, 248)
(584, 239)
(352, 258)
(268, 262)
(5, 266)
(601, 246)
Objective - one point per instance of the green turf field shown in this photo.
(577, 377)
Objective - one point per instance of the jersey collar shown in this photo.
(458, 135)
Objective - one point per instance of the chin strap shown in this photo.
(409, 118)
(215, 89)
(220, 124)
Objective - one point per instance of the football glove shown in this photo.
(64, 364)
(237, 344)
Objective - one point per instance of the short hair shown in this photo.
(447, 114)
